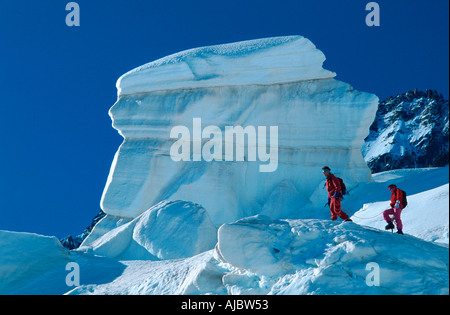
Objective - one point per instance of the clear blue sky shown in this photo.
(57, 83)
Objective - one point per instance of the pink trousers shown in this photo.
(397, 213)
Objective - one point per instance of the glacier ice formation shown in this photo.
(268, 82)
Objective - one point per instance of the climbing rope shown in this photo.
(360, 217)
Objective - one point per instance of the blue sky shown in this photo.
(57, 83)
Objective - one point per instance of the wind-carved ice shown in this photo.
(275, 82)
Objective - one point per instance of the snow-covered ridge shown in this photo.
(262, 61)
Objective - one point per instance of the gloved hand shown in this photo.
(397, 204)
(337, 195)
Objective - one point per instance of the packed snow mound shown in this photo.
(167, 230)
(319, 121)
(263, 61)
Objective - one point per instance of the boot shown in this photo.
(400, 232)
(390, 226)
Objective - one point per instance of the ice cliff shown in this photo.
(276, 82)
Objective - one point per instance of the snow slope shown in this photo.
(254, 255)
(261, 256)
(427, 213)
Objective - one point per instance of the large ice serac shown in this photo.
(275, 82)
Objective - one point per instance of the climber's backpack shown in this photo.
(405, 200)
(343, 187)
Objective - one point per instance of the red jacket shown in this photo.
(333, 185)
(397, 194)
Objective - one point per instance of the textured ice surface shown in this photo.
(262, 61)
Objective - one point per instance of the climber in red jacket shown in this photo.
(397, 206)
(333, 186)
